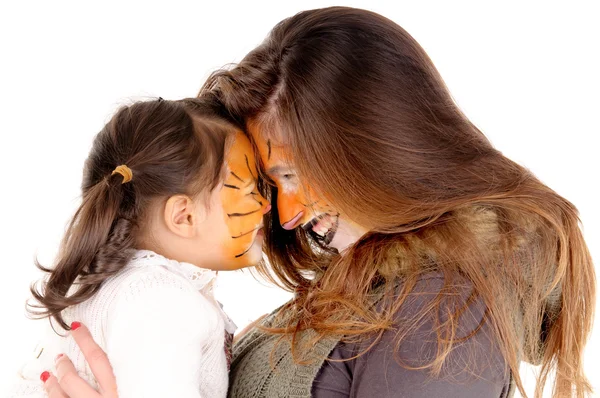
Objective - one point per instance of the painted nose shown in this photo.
(290, 209)
(267, 209)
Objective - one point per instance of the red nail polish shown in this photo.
(44, 376)
(75, 325)
(58, 357)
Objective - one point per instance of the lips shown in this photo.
(323, 227)
(291, 224)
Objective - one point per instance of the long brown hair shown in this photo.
(371, 124)
(171, 147)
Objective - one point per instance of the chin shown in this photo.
(251, 258)
(341, 240)
(339, 243)
(255, 255)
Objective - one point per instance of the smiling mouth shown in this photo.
(323, 227)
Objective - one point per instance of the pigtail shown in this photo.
(97, 244)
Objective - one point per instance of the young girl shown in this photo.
(168, 198)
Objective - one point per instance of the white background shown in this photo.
(527, 73)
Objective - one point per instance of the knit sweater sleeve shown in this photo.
(158, 339)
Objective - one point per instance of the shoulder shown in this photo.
(436, 306)
(442, 323)
(409, 357)
(140, 278)
(159, 293)
(410, 296)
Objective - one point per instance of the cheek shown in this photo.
(288, 187)
(240, 229)
(242, 251)
(286, 201)
(235, 248)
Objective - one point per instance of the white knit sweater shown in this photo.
(160, 326)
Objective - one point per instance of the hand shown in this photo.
(68, 384)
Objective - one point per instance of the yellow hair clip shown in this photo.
(124, 171)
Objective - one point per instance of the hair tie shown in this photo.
(124, 171)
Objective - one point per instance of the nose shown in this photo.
(266, 205)
(290, 211)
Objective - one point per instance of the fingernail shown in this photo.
(44, 376)
(58, 357)
(75, 325)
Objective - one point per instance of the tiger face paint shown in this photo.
(243, 206)
(297, 204)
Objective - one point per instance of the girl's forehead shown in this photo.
(240, 157)
(240, 144)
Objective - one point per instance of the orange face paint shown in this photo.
(242, 204)
(297, 204)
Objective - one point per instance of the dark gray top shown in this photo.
(475, 368)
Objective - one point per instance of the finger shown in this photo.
(95, 357)
(70, 382)
(52, 388)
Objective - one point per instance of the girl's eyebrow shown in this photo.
(230, 186)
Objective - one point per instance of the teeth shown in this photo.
(323, 225)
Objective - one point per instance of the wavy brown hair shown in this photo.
(172, 147)
(349, 90)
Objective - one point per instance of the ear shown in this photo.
(181, 216)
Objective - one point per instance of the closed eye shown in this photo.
(281, 172)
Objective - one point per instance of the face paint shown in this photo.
(243, 206)
(297, 204)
